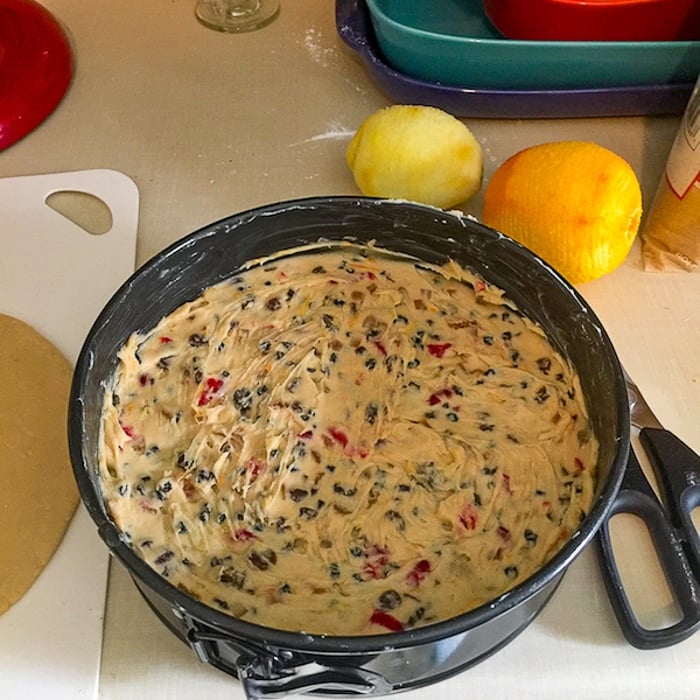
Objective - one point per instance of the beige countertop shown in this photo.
(207, 124)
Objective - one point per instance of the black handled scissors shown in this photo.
(673, 533)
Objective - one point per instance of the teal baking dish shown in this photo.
(452, 42)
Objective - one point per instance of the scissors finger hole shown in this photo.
(650, 597)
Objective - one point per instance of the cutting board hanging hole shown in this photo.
(85, 210)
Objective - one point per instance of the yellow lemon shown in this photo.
(418, 153)
(576, 204)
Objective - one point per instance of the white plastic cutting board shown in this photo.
(56, 276)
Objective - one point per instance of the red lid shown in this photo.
(36, 66)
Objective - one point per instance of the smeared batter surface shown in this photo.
(343, 442)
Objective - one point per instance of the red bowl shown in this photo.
(596, 20)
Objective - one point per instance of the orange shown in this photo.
(418, 153)
(575, 204)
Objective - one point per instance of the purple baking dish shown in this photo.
(354, 26)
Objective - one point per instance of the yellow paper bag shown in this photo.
(671, 233)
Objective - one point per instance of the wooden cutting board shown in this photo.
(56, 276)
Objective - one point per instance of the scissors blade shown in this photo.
(640, 412)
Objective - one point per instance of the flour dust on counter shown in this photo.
(313, 42)
(344, 441)
(334, 132)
